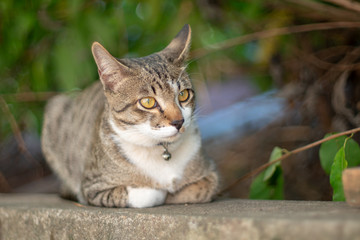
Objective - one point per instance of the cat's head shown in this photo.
(150, 99)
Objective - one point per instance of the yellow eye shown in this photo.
(184, 95)
(148, 102)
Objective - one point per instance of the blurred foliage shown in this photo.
(45, 47)
(45, 44)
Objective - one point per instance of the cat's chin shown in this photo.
(170, 139)
(160, 140)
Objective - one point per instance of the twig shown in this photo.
(311, 58)
(351, 5)
(286, 155)
(15, 128)
(331, 52)
(331, 74)
(327, 10)
(28, 96)
(17, 133)
(199, 53)
(4, 183)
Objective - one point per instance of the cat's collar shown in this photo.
(166, 154)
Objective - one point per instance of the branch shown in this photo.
(311, 58)
(199, 53)
(351, 5)
(14, 127)
(4, 184)
(331, 73)
(29, 96)
(327, 10)
(283, 157)
(17, 133)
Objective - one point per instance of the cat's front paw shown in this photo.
(145, 197)
(197, 192)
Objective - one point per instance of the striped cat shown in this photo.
(131, 140)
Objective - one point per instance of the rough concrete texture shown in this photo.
(49, 217)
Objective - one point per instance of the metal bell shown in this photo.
(166, 155)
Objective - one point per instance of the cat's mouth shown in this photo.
(171, 136)
(168, 134)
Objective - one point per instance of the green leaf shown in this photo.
(270, 183)
(259, 189)
(271, 189)
(337, 168)
(352, 153)
(328, 151)
(275, 154)
(278, 189)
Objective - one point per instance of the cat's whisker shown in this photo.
(199, 112)
(191, 74)
(191, 61)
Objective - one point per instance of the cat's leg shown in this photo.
(122, 196)
(197, 192)
(111, 197)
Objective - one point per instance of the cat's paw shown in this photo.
(145, 197)
(197, 192)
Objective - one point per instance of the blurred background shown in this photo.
(285, 91)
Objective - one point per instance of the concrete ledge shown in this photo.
(49, 217)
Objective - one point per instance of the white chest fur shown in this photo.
(150, 161)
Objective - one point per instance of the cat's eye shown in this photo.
(184, 95)
(148, 102)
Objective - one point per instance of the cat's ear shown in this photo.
(111, 71)
(178, 49)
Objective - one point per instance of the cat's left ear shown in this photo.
(111, 71)
(178, 49)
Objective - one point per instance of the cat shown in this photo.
(131, 139)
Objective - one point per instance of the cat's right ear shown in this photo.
(178, 49)
(110, 70)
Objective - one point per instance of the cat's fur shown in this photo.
(105, 147)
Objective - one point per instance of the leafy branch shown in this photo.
(283, 157)
(199, 53)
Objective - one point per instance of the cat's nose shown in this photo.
(177, 123)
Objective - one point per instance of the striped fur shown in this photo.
(106, 147)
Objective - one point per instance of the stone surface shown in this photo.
(49, 217)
